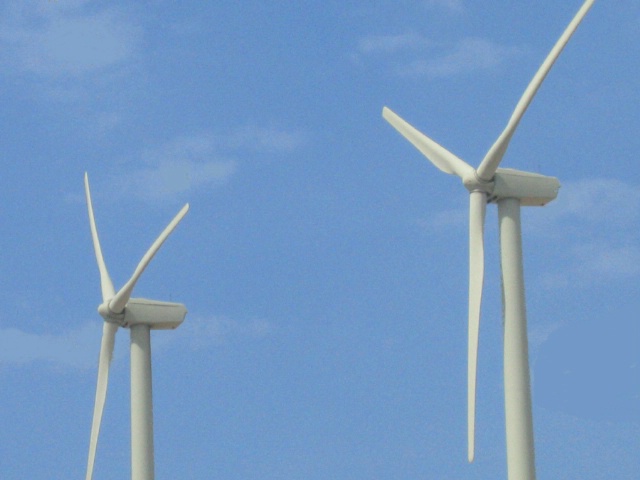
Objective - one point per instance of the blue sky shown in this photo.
(324, 260)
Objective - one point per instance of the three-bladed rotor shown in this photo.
(119, 309)
(488, 183)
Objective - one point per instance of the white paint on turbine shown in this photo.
(488, 183)
(141, 315)
(106, 355)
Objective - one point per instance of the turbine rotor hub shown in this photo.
(473, 183)
(109, 316)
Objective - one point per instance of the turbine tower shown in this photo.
(510, 189)
(141, 316)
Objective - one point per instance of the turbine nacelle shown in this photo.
(532, 189)
(157, 315)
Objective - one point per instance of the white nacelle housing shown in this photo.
(158, 315)
(532, 189)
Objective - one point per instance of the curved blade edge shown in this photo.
(106, 284)
(477, 210)
(119, 301)
(106, 354)
(492, 159)
(442, 158)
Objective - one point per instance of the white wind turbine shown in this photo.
(510, 189)
(140, 316)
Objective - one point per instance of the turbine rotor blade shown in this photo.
(437, 154)
(492, 159)
(106, 354)
(477, 209)
(105, 281)
(119, 301)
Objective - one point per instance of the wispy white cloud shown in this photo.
(66, 39)
(76, 53)
(468, 55)
(387, 44)
(597, 221)
(591, 262)
(263, 139)
(608, 261)
(203, 332)
(455, 6)
(187, 163)
(538, 334)
(76, 349)
(171, 177)
(595, 200)
(445, 221)
(173, 168)
(413, 55)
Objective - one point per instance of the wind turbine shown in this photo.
(141, 316)
(510, 189)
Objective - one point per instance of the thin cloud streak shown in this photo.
(75, 349)
(594, 262)
(416, 56)
(468, 55)
(77, 54)
(169, 178)
(594, 200)
(582, 219)
(264, 139)
(454, 6)
(67, 41)
(78, 349)
(191, 162)
(539, 334)
(214, 331)
(388, 44)
(445, 221)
